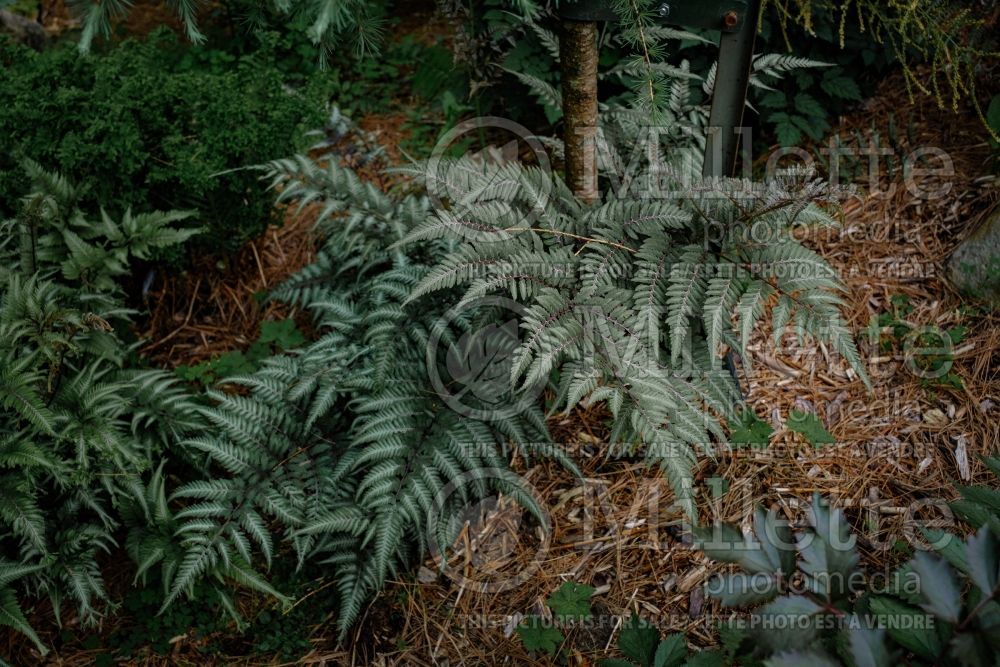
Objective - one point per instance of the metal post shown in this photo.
(729, 96)
(737, 22)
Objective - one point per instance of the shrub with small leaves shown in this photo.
(141, 127)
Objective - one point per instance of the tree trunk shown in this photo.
(578, 53)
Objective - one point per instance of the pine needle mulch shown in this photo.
(217, 306)
(899, 449)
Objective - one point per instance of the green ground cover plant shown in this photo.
(812, 605)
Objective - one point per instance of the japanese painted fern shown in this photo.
(634, 300)
(76, 431)
(345, 445)
(347, 453)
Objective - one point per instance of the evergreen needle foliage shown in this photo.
(154, 123)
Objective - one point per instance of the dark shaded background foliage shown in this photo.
(152, 124)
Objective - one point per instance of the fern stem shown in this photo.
(556, 232)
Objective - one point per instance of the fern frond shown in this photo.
(685, 293)
(544, 91)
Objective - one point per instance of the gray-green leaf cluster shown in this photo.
(634, 300)
(816, 606)
(345, 451)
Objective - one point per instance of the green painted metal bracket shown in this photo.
(729, 97)
(737, 22)
(724, 15)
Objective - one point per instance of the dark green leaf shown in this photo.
(539, 636)
(948, 545)
(801, 659)
(810, 427)
(910, 627)
(283, 334)
(803, 79)
(671, 651)
(982, 496)
(993, 118)
(956, 334)
(993, 464)
(732, 636)
(571, 601)
(773, 99)
(784, 128)
(714, 658)
(976, 515)
(840, 86)
(904, 583)
(637, 641)
(807, 105)
(12, 616)
(813, 127)
(751, 430)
